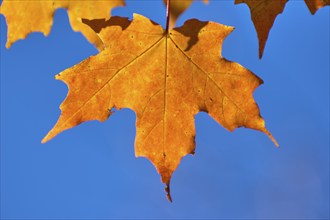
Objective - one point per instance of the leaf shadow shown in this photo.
(191, 28)
(98, 24)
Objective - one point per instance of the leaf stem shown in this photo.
(168, 10)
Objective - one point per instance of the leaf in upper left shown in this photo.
(25, 17)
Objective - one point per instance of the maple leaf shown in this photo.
(24, 17)
(177, 8)
(264, 13)
(166, 79)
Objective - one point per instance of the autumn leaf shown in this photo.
(177, 8)
(25, 17)
(314, 5)
(166, 78)
(264, 13)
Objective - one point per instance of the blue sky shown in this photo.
(91, 172)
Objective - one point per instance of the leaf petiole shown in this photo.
(168, 8)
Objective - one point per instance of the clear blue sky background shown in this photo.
(91, 171)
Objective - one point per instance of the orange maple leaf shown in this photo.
(24, 17)
(166, 78)
(264, 13)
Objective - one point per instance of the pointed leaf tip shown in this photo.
(271, 137)
(168, 193)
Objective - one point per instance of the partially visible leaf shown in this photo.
(314, 5)
(24, 17)
(264, 13)
(178, 7)
(166, 78)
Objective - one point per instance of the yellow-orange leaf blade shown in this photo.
(166, 78)
(25, 17)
